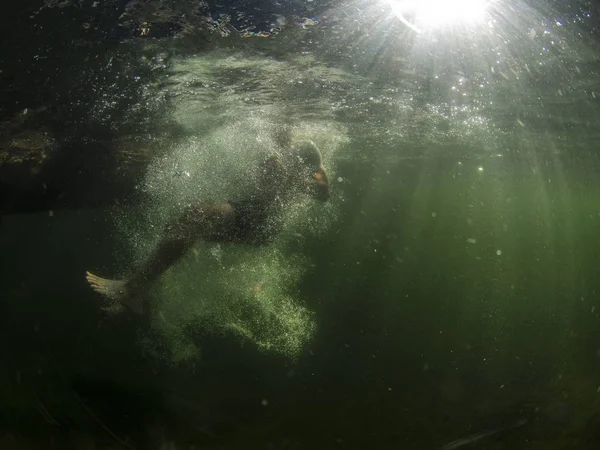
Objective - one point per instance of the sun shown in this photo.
(426, 14)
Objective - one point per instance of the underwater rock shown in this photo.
(38, 173)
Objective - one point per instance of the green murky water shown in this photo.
(448, 287)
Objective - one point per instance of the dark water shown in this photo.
(447, 290)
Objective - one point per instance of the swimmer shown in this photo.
(254, 220)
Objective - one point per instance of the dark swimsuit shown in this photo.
(256, 221)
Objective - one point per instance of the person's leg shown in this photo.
(196, 222)
(180, 235)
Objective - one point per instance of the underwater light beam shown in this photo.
(438, 13)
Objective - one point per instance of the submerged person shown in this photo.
(254, 220)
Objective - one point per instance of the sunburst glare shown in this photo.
(427, 14)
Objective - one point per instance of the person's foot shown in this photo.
(115, 290)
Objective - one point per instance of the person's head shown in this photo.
(308, 171)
